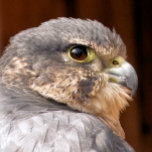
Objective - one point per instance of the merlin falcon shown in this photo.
(63, 86)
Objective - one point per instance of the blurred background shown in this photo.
(132, 19)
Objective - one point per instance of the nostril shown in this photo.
(115, 62)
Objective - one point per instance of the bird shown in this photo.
(63, 86)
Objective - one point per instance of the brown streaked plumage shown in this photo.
(37, 60)
(79, 88)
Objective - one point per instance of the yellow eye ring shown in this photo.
(81, 54)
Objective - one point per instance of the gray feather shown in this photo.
(31, 123)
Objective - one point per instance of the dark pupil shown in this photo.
(79, 52)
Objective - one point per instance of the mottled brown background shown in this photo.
(132, 19)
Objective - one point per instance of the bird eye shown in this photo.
(81, 54)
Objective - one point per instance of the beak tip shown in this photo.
(133, 84)
(126, 76)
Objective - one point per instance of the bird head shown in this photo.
(77, 62)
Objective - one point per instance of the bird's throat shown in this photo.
(115, 126)
(107, 105)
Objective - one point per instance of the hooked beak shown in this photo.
(125, 75)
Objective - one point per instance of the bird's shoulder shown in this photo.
(51, 127)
